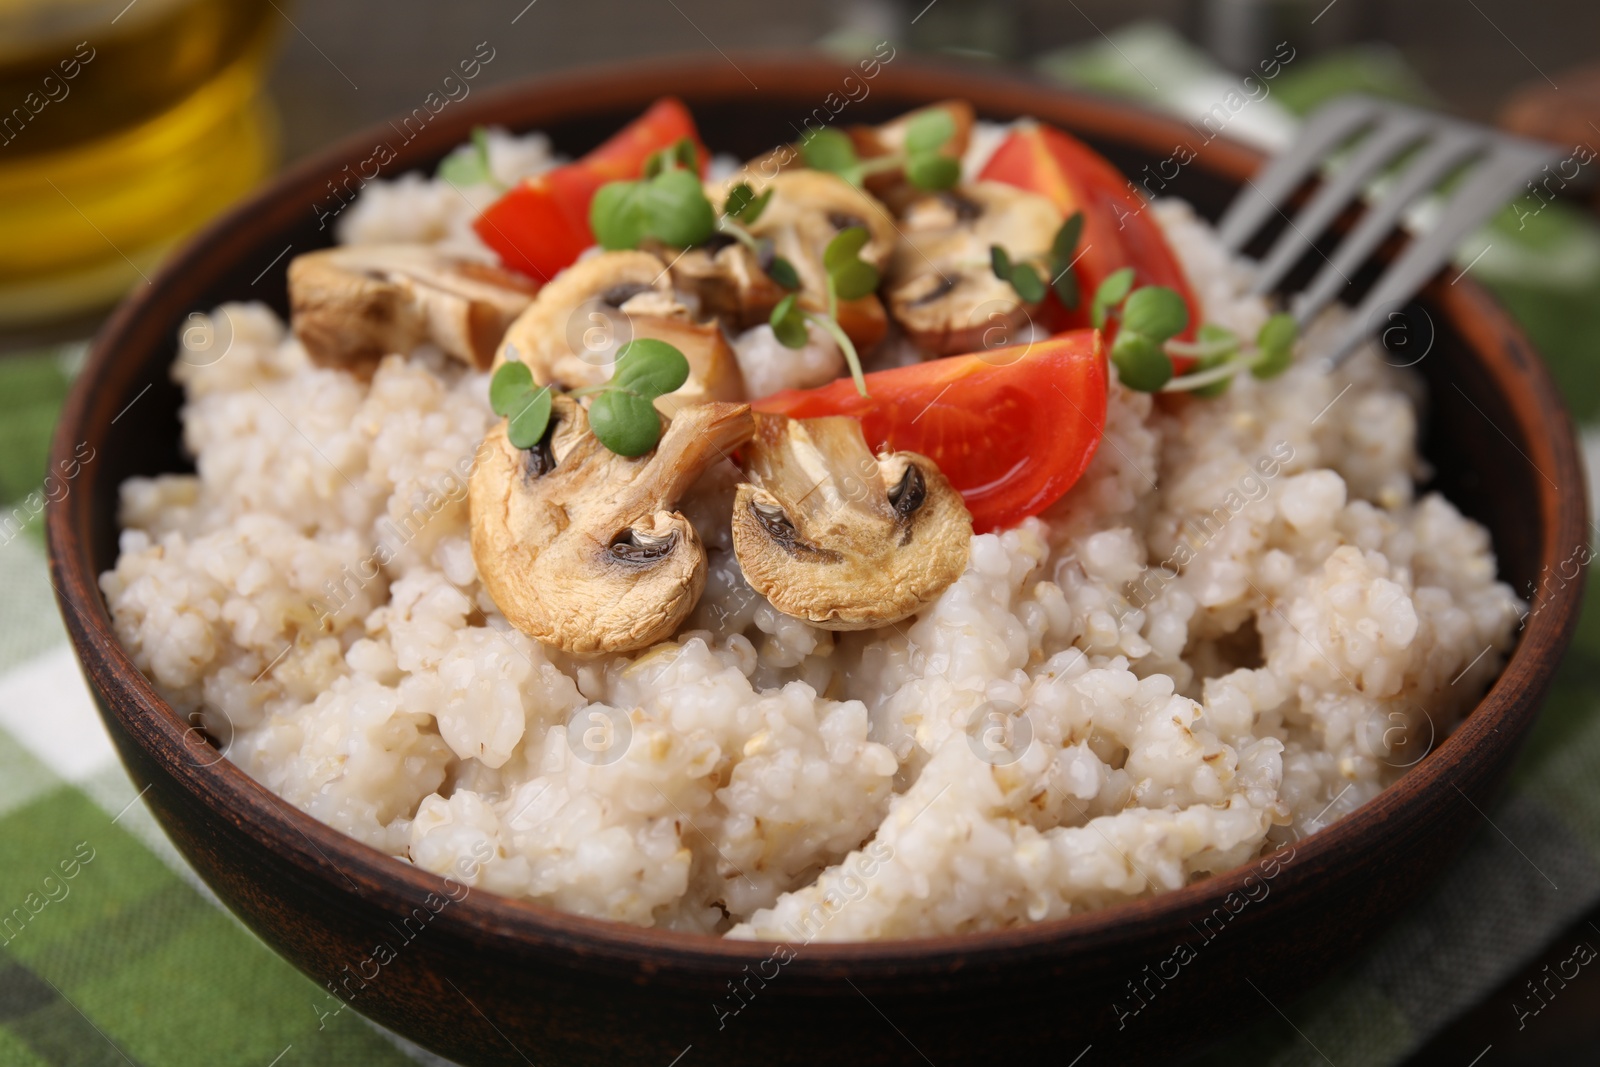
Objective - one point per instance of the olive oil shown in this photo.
(122, 127)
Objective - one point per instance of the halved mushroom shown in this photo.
(891, 186)
(808, 209)
(581, 548)
(841, 538)
(942, 289)
(352, 306)
(571, 334)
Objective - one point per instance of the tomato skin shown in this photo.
(1117, 230)
(1012, 437)
(540, 227)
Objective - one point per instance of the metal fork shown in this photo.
(1500, 166)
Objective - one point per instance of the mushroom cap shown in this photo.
(841, 538)
(353, 305)
(571, 332)
(808, 209)
(581, 548)
(942, 289)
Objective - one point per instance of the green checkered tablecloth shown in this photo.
(111, 949)
(112, 952)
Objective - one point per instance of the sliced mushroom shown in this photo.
(870, 141)
(581, 548)
(571, 333)
(942, 289)
(808, 209)
(841, 538)
(352, 306)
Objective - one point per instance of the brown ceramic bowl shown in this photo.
(491, 980)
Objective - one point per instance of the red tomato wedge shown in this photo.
(541, 226)
(1012, 428)
(1117, 228)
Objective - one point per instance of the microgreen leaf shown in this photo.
(626, 423)
(743, 204)
(932, 172)
(671, 207)
(1000, 262)
(1066, 287)
(622, 414)
(511, 380)
(617, 215)
(852, 277)
(854, 280)
(1141, 364)
(650, 367)
(680, 154)
(685, 155)
(782, 271)
(676, 209)
(845, 247)
(739, 198)
(1155, 311)
(526, 409)
(789, 323)
(525, 427)
(1112, 292)
(926, 165)
(1026, 281)
(470, 168)
(929, 130)
(832, 151)
(1066, 239)
(1276, 342)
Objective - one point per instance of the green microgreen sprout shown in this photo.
(922, 158)
(1025, 276)
(667, 204)
(471, 168)
(1151, 318)
(739, 212)
(622, 414)
(849, 277)
(525, 407)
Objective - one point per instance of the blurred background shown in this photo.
(125, 124)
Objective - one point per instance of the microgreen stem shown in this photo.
(879, 164)
(589, 390)
(1203, 378)
(842, 339)
(1201, 350)
(725, 224)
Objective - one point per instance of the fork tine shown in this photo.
(1395, 133)
(1506, 169)
(1452, 147)
(1261, 196)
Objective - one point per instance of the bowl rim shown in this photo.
(388, 883)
